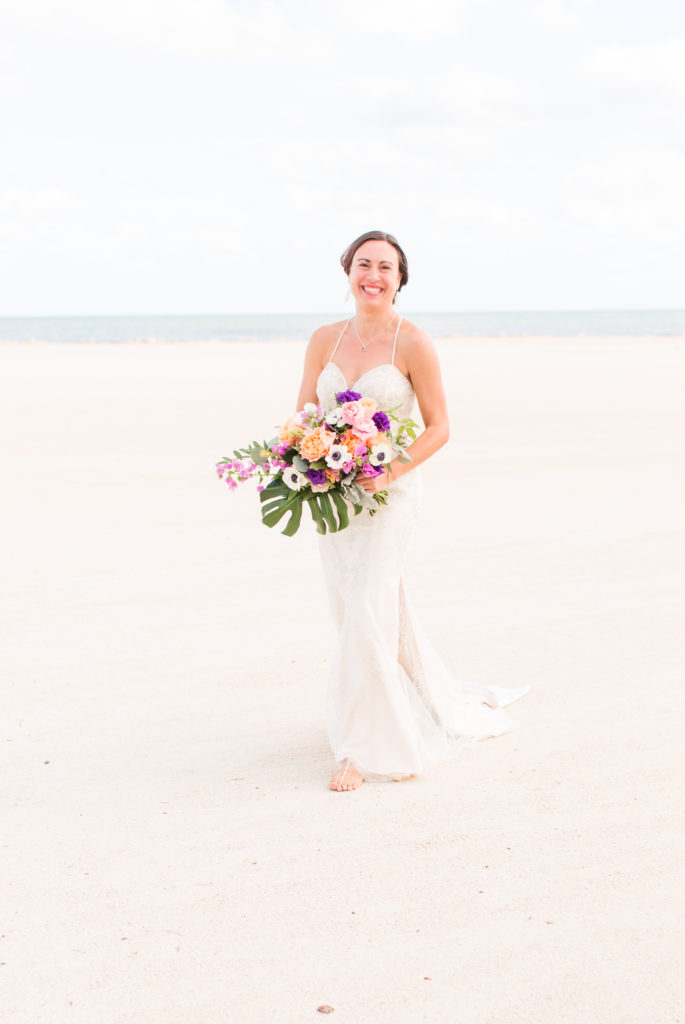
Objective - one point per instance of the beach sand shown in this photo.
(170, 851)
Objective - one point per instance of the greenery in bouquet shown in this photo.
(316, 460)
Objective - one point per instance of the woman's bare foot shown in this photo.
(346, 778)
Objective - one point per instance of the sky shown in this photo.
(217, 156)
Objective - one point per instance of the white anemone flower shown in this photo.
(337, 456)
(309, 408)
(335, 416)
(380, 454)
(293, 479)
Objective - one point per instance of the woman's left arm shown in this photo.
(424, 372)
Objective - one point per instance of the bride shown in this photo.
(393, 708)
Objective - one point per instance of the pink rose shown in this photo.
(355, 413)
(365, 430)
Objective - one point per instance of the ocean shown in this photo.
(299, 326)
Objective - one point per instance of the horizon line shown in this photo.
(411, 312)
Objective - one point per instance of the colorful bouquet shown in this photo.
(317, 458)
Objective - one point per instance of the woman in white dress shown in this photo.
(394, 709)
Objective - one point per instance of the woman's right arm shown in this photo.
(313, 365)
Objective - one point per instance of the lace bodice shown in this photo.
(385, 383)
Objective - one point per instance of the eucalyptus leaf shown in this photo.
(355, 494)
(255, 452)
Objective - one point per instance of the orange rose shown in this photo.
(315, 445)
(350, 442)
(290, 431)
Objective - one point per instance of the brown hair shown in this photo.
(377, 236)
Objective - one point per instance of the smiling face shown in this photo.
(374, 275)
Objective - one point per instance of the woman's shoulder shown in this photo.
(327, 331)
(324, 338)
(414, 339)
(321, 346)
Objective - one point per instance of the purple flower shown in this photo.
(316, 476)
(347, 396)
(369, 470)
(381, 420)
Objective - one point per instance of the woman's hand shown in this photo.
(371, 484)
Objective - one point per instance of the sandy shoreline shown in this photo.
(170, 850)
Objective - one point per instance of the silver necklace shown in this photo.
(365, 346)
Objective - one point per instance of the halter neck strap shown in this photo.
(339, 339)
(394, 345)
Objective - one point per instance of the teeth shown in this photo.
(372, 291)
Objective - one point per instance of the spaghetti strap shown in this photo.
(339, 340)
(394, 346)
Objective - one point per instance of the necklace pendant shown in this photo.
(354, 327)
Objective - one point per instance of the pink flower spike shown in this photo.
(260, 488)
(361, 449)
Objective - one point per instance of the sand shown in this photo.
(170, 852)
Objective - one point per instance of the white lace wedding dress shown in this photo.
(393, 707)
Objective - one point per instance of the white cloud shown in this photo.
(419, 124)
(153, 28)
(640, 191)
(461, 89)
(486, 214)
(561, 16)
(213, 29)
(47, 201)
(410, 19)
(653, 70)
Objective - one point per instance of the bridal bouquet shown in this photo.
(316, 460)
